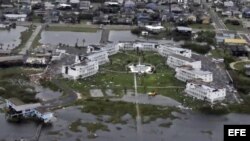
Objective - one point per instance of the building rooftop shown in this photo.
(183, 28)
(182, 57)
(16, 101)
(208, 84)
(235, 41)
(195, 71)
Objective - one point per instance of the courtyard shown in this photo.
(115, 76)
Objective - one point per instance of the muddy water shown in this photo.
(11, 39)
(70, 38)
(190, 126)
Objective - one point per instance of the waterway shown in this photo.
(70, 38)
(11, 39)
(190, 126)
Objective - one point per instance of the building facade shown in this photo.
(167, 50)
(205, 92)
(175, 61)
(146, 46)
(101, 57)
(81, 70)
(188, 73)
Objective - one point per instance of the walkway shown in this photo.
(31, 40)
(105, 36)
(138, 116)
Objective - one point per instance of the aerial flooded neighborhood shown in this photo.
(124, 70)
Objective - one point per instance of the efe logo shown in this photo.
(237, 132)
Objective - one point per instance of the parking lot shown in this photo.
(220, 76)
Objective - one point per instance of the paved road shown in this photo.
(219, 24)
(105, 35)
(138, 116)
(31, 39)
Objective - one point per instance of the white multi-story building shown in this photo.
(166, 50)
(111, 49)
(146, 46)
(101, 57)
(125, 45)
(80, 70)
(204, 91)
(175, 60)
(187, 73)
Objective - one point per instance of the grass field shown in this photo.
(114, 76)
(202, 26)
(235, 27)
(36, 42)
(240, 65)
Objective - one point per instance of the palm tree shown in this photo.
(83, 42)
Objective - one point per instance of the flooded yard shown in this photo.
(11, 39)
(188, 126)
(70, 38)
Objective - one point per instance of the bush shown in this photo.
(206, 36)
(136, 31)
(202, 49)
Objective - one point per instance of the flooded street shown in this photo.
(11, 39)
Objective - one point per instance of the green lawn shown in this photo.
(219, 53)
(115, 76)
(235, 27)
(240, 65)
(36, 42)
(71, 28)
(202, 26)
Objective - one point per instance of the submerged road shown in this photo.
(138, 116)
(104, 36)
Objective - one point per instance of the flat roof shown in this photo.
(16, 101)
(235, 41)
(182, 57)
(183, 28)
